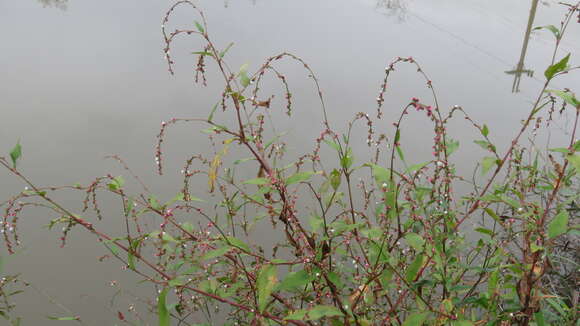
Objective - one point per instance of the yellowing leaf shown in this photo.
(215, 165)
(266, 281)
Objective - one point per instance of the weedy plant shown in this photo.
(381, 242)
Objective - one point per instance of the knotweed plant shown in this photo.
(376, 242)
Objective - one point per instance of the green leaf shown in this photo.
(381, 174)
(574, 160)
(266, 281)
(414, 268)
(559, 224)
(416, 167)
(552, 29)
(487, 163)
(576, 146)
(315, 313)
(463, 323)
(299, 177)
(557, 67)
(109, 244)
(15, 154)
(256, 181)
(243, 74)
(559, 150)
(162, 310)
(485, 145)
(199, 27)
(484, 231)
(415, 241)
(117, 183)
(63, 318)
(347, 160)
(297, 315)
(332, 144)
(210, 117)
(203, 53)
(238, 243)
(154, 203)
(335, 179)
(323, 311)
(400, 153)
(295, 281)
(485, 130)
(216, 253)
(416, 319)
(131, 258)
(566, 96)
(452, 146)
(491, 213)
(223, 53)
(539, 317)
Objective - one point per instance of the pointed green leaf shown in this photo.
(297, 315)
(559, 224)
(463, 323)
(16, 153)
(574, 160)
(415, 241)
(162, 310)
(299, 177)
(265, 283)
(295, 281)
(452, 146)
(381, 174)
(223, 53)
(63, 318)
(557, 67)
(416, 319)
(256, 181)
(238, 243)
(243, 74)
(335, 179)
(323, 311)
(199, 27)
(414, 268)
(216, 253)
(486, 164)
(552, 29)
(485, 130)
(212, 112)
(566, 96)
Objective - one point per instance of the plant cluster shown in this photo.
(375, 242)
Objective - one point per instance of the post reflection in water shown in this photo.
(60, 4)
(396, 8)
(519, 70)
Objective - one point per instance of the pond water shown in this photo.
(83, 79)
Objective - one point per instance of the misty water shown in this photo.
(80, 80)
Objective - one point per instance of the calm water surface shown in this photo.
(79, 83)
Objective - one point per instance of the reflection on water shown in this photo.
(107, 55)
(227, 3)
(519, 70)
(60, 4)
(397, 8)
